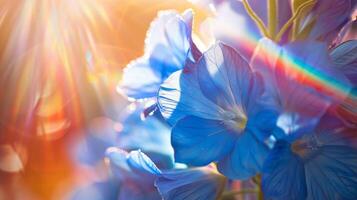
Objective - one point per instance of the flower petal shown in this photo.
(226, 78)
(345, 58)
(178, 36)
(246, 159)
(263, 123)
(284, 88)
(151, 135)
(168, 41)
(141, 163)
(133, 192)
(167, 47)
(155, 35)
(295, 117)
(180, 96)
(140, 79)
(332, 174)
(283, 174)
(310, 64)
(118, 164)
(195, 183)
(199, 141)
(135, 171)
(333, 131)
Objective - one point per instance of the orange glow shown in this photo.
(60, 61)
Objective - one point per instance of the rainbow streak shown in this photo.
(318, 78)
(307, 73)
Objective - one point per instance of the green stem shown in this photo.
(259, 187)
(293, 18)
(239, 192)
(256, 19)
(260, 194)
(272, 17)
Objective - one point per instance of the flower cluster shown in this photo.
(273, 99)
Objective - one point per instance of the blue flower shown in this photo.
(168, 46)
(151, 134)
(217, 113)
(136, 185)
(321, 164)
(137, 170)
(344, 57)
(293, 75)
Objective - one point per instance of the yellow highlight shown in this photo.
(242, 122)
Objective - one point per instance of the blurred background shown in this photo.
(60, 62)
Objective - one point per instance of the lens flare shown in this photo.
(44, 61)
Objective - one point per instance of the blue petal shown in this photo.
(313, 57)
(246, 159)
(133, 192)
(180, 95)
(194, 183)
(178, 36)
(151, 135)
(178, 32)
(263, 61)
(141, 79)
(168, 41)
(167, 47)
(307, 54)
(227, 80)
(134, 171)
(344, 57)
(332, 173)
(119, 165)
(333, 131)
(295, 99)
(141, 163)
(156, 34)
(345, 53)
(199, 141)
(283, 174)
(287, 89)
(263, 123)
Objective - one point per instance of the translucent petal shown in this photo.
(180, 95)
(246, 159)
(194, 183)
(332, 173)
(283, 174)
(199, 141)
